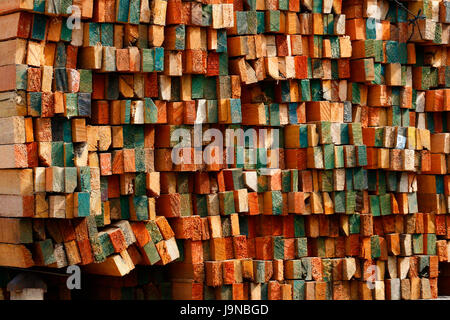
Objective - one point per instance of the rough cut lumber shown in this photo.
(339, 165)
(15, 255)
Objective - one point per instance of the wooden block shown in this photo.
(15, 255)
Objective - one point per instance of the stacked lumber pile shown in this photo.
(75, 161)
(339, 187)
(347, 213)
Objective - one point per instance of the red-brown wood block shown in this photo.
(274, 290)
(264, 248)
(240, 247)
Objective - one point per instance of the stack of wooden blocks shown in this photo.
(76, 153)
(114, 116)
